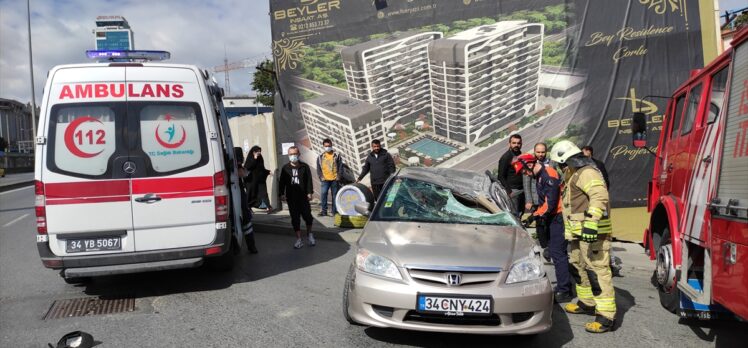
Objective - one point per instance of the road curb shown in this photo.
(15, 185)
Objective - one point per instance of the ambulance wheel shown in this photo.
(223, 263)
(664, 273)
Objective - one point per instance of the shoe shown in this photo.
(547, 254)
(322, 213)
(299, 244)
(600, 325)
(579, 308)
(253, 250)
(312, 241)
(562, 297)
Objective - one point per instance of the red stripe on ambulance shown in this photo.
(173, 185)
(87, 189)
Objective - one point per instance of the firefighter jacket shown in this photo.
(585, 202)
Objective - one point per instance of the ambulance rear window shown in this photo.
(83, 138)
(171, 136)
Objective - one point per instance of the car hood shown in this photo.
(446, 245)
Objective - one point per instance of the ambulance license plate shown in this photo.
(93, 244)
(455, 305)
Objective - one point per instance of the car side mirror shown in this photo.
(639, 130)
(362, 208)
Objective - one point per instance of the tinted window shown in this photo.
(414, 200)
(717, 96)
(83, 138)
(171, 135)
(676, 116)
(694, 98)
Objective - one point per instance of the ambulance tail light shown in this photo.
(40, 207)
(221, 193)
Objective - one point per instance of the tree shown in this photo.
(264, 83)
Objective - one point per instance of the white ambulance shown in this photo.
(132, 168)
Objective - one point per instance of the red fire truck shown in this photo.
(698, 194)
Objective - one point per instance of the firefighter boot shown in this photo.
(579, 308)
(600, 325)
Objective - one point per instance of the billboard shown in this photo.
(444, 82)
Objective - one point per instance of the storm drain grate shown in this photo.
(86, 306)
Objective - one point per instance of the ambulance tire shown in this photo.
(671, 300)
(350, 221)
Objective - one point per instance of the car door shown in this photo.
(172, 196)
(667, 174)
(87, 194)
(683, 151)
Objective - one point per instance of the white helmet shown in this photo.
(563, 150)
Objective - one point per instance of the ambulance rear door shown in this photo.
(172, 189)
(87, 191)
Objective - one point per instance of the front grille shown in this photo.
(439, 277)
(492, 320)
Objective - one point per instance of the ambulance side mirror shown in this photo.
(639, 130)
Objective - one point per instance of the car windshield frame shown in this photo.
(407, 199)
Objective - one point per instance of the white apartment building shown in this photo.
(351, 125)
(484, 78)
(391, 72)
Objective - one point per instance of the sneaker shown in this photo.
(322, 213)
(299, 244)
(312, 241)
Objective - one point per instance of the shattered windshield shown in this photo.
(414, 200)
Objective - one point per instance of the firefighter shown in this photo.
(587, 227)
(548, 217)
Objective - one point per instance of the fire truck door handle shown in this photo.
(148, 198)
(707, 159)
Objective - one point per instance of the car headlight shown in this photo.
(526, 269)
(372, 263)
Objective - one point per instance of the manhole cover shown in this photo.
(80, 307)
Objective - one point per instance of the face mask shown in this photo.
(293, 158)
(328, 148)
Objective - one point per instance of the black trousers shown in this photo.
(299, 207)
(377, 189)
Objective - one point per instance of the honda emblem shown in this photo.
(454, 279)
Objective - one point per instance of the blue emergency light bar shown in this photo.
(127, 55)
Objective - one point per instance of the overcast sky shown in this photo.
(194, 31)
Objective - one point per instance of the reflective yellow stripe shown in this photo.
(605, 304)
(604, 226)
(596, 212)
(572, 227)
(590, 224)
(592, 184)
(584, 292)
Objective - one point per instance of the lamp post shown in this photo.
(31, 70)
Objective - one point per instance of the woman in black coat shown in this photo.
(257, 189)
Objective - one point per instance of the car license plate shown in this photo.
(93, 244)
(455, 305)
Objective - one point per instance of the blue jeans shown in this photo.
(331, 186)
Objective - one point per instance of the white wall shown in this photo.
(248, 131)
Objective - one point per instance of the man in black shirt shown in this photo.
(296, 188)
(512, 181)
(380, 164)
(589, 152)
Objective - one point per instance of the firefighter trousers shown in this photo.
(596, 258)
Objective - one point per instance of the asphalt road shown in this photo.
(282, 297)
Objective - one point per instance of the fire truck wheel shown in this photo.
(664, 273)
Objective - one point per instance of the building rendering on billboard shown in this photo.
(391, 72)
(351, 124)
(113, 33)
(484, 77)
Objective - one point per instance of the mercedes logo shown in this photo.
(129, 167)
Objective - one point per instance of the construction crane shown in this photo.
(246, 63)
